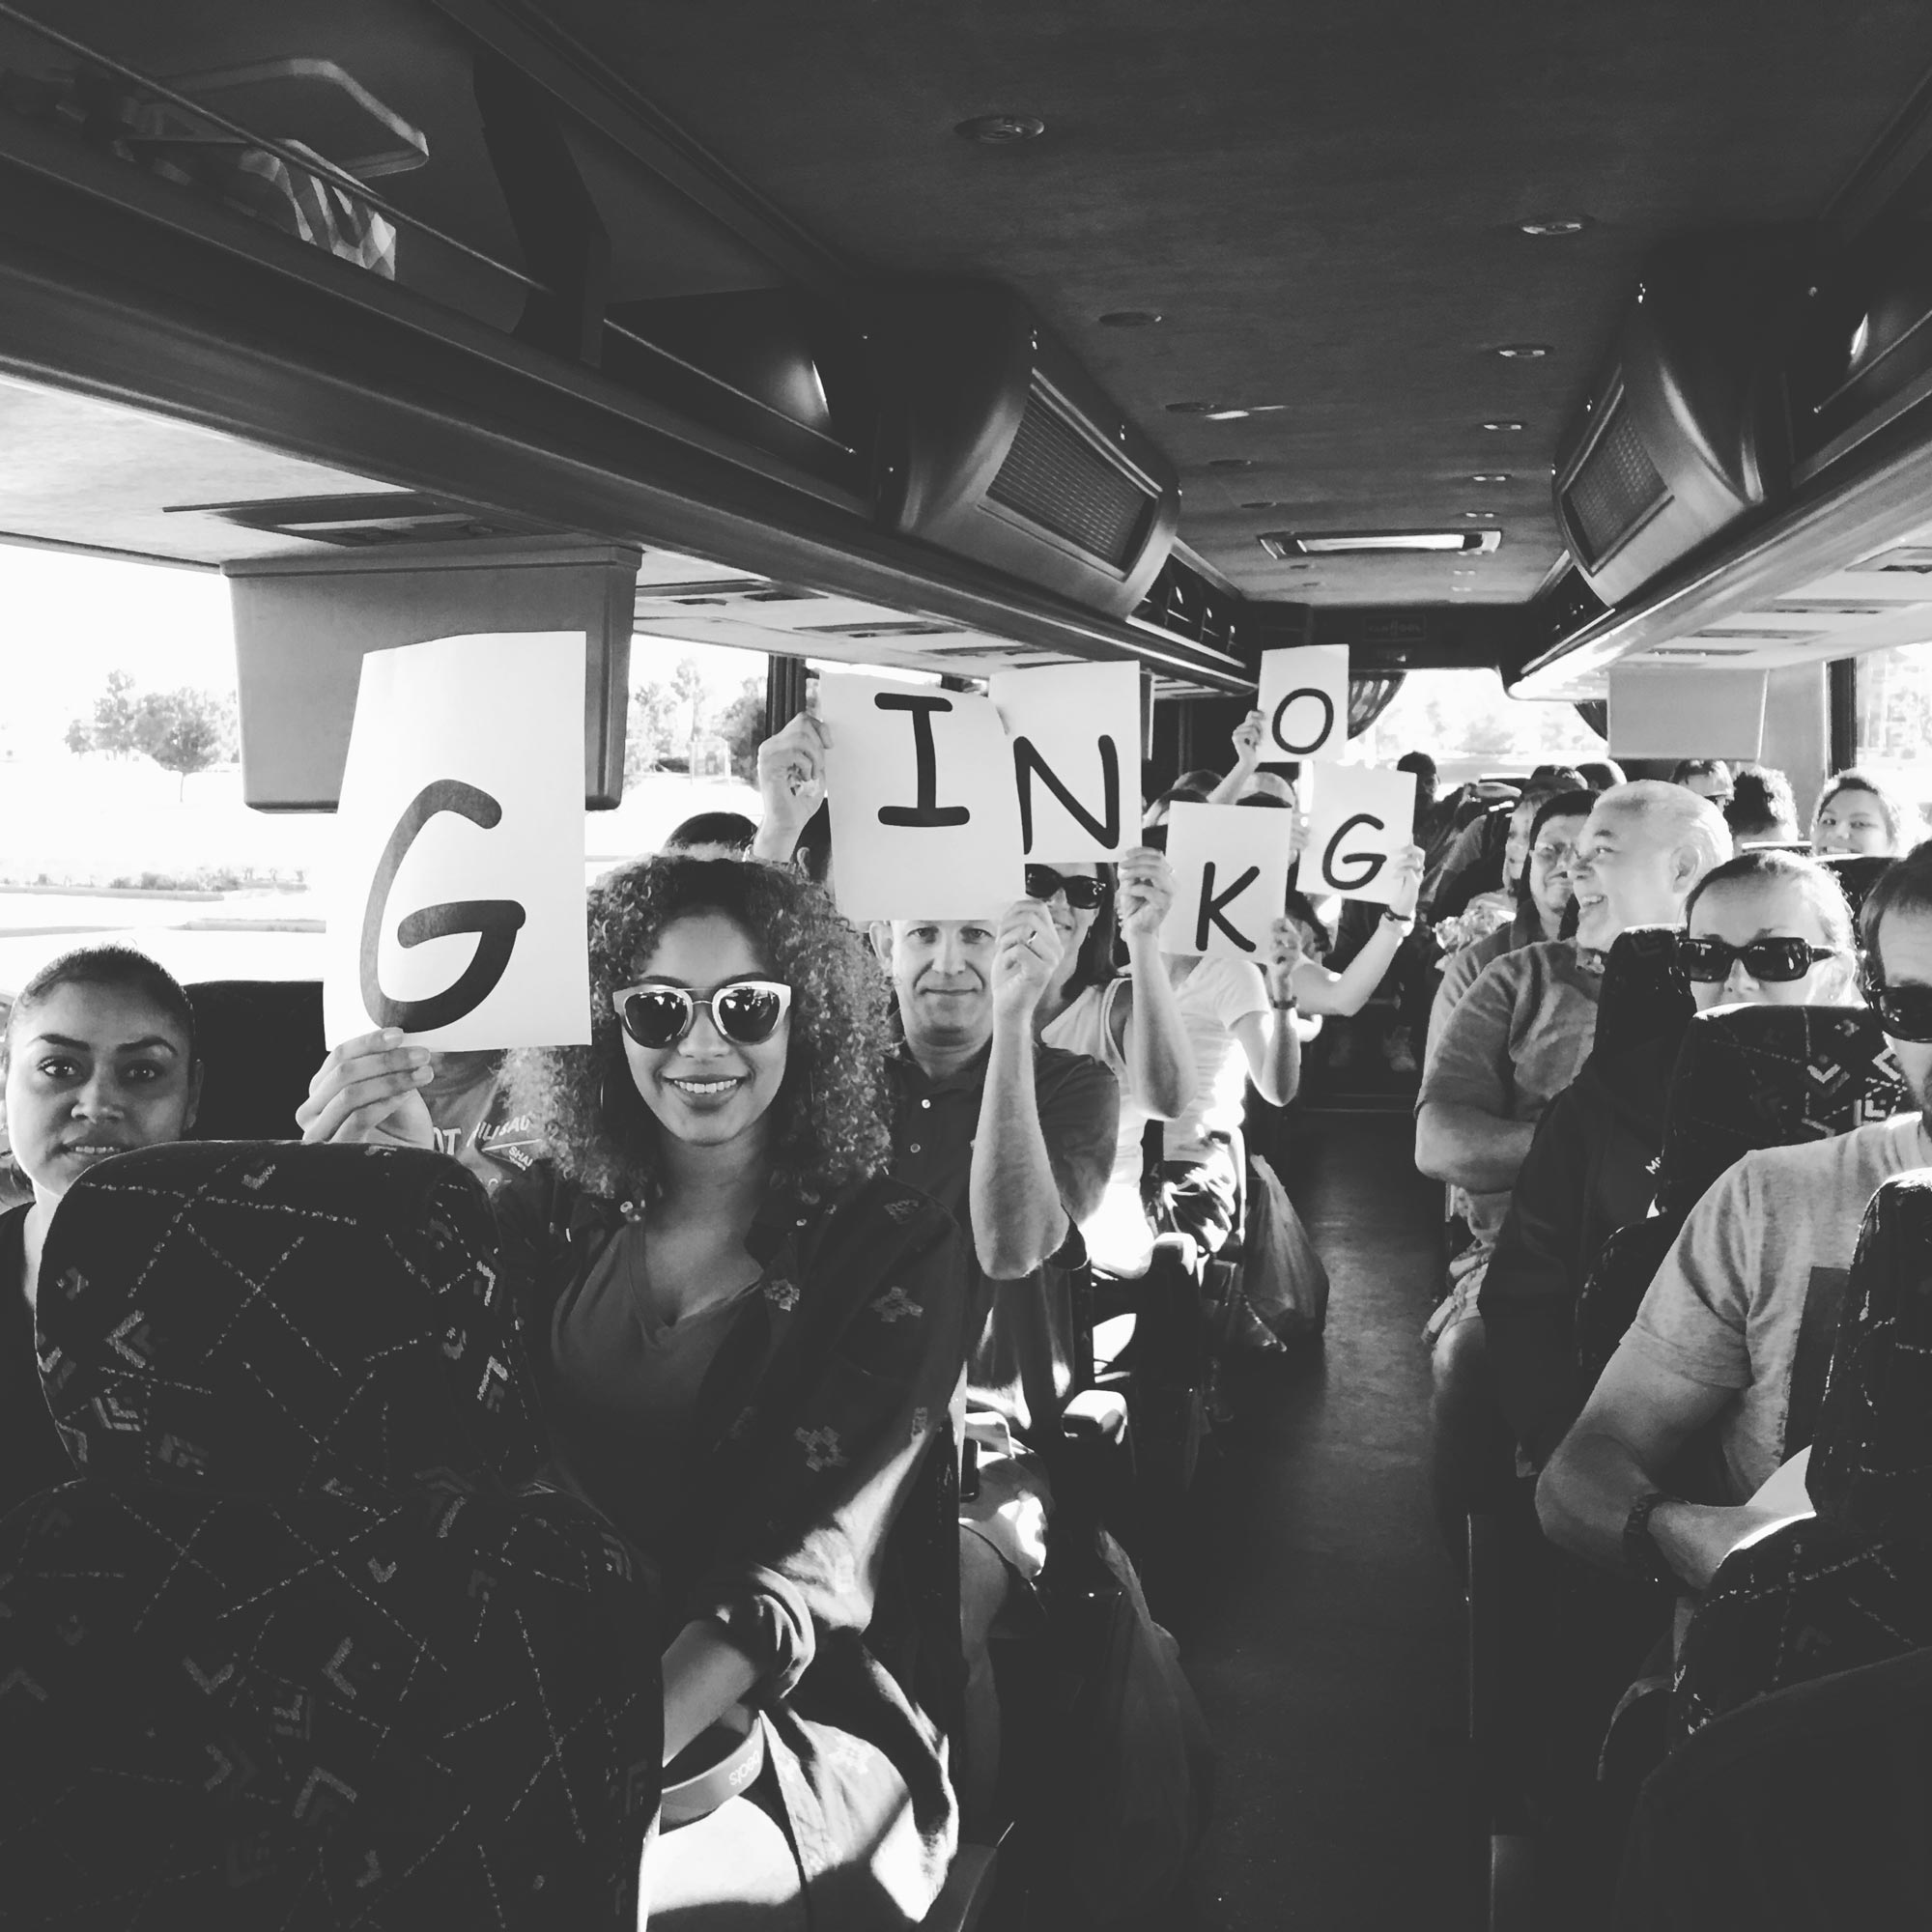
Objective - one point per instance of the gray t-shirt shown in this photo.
(1513, 1043)
(1749, 1296)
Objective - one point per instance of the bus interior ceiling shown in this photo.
(959, 339)
(696, 288)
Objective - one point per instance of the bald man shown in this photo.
(1517, 1039)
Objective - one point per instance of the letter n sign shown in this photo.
(1076, 736)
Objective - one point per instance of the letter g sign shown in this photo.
(495, 922)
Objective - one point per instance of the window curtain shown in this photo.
(1370, 694)
(1595, 712)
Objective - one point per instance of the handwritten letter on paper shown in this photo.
(456, 911)
(1304, 696)
(1230, 878)
(1361, 819)
(925, 823)
(1076, 739)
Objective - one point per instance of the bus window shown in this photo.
(121, 783)
(1893, 725)
(1473, 728)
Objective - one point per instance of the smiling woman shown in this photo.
(100, 1056)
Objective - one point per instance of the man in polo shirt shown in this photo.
(1736, 1328)
(1017, 1140)
(1517, 1039)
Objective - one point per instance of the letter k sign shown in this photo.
(1213, 905)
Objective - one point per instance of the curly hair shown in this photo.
(829, 1116)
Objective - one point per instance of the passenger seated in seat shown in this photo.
(1514, 1043)
(1241, 1025)
(1131, 1023)
(1860, 815)
(1762, 810)
(1544, 830)
(1016, 1139)
(1523, 1029)
(99, 1057)
(1736, 1328)
(1589, 1170)
(1708, 777)
(1476, 863)
(746, 1337)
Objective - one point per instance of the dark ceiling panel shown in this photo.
(1321, 201)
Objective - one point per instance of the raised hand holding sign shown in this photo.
(921, 783)
(1305, 703)
(1230, 868)
(456, 913)
(1076, 735)
(1361, 823)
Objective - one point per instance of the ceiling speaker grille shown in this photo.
(1616, 488)
(1053, 476)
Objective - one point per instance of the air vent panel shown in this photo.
(1055, 477)
(1616, 488)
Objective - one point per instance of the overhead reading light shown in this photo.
(1229, 415)
(1285, 544)
(1131, 318)
(1488, 476)
(1555, 224)
(1476, 516)
(1523, 351)
(1001, 131)
(1504, 424)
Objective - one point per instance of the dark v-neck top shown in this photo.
(31, 1455)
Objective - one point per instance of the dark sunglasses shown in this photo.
(1084, 894)
(746, 1012)
(1905, 1012)
(1770, 959)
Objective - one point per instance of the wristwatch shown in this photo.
(1287, 1006)
(1642, 1559)
(1390, 917)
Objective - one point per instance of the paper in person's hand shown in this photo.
(925, 823)
(455, 903)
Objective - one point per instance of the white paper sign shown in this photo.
(924, 820)
(1076, 740)
(1359, 821)
(456, 908)
(1304, 696)
(1230, 878)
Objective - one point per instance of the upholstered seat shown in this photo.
(1747, 1077)
(1854, 1586)
(1644, 996)
(310, 1641)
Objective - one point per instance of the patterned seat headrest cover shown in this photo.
(1750, 1077)
(1645, 995)
(1858, 874)
(266, 1319)
(1871, 1457)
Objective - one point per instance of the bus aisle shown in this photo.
(1316, 1616)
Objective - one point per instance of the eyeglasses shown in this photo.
(1546, 854)
(1777, 959)
(1905, 1012)
(1084, 892)
(746, 1012)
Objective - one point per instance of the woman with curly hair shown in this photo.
(746, 1338)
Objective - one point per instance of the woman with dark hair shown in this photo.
(746, 1338)
(99, 1057)
(1859, 814)
(1542, 850)
(1131, 1022)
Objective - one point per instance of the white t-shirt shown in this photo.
(1218, 992)
(1748, 1299)
(1117, 1234)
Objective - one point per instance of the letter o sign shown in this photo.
(1313, 703)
